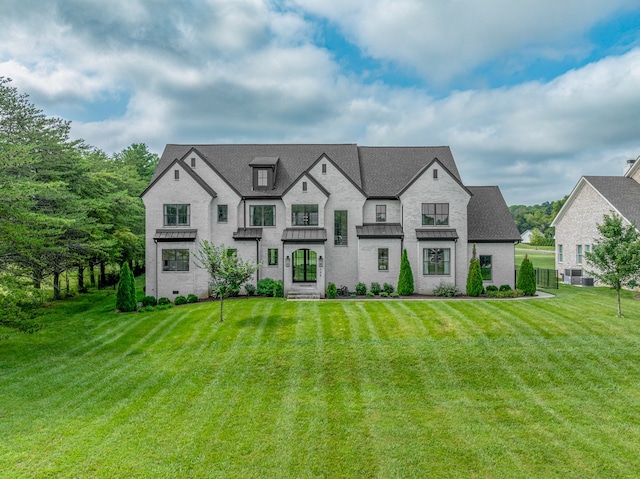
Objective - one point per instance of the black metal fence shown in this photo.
(545, 278)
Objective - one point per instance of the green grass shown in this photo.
(482, 389)
(540, 256)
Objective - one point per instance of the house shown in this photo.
(576, 224)
(314, 214)
(526, 236)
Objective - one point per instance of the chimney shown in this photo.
(628, 166)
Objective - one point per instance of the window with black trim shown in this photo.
(560, 254)
(324, 168)
(175, 260)
(485, 266)
(381, 213)
(232, 252)
(176, 215)
(304, 186)
(383, 259)
(436, 261)
(193, 162)
(304, 215)
(223, 213)
(176, 174)
(272, 256)
(262, 215)
(435, 173)
(435, 214)
(340, 228)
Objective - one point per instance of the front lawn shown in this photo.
(510, 388)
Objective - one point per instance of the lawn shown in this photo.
(440, 388)
(541, 256)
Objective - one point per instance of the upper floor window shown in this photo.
(223, 213)
(435, 173)
(304, 215)
(560, 254)
(176, 174)
(175, 260)
(579, 254)
(193, 162)
(262, 215)
(435, 213)
(340, 237)
(263, 177)
(304, 186)
(176, 215)
(324, 168)
(381, 213)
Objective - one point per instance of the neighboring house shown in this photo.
(526, 236)
(314, 214)
(576, 224)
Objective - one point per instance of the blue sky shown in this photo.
(529, 95)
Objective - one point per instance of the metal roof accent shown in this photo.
(246, 234)
(264, 161)
(304, 235)
(436, 234)
(166, 235)
(380, 230)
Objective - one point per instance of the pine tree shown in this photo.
(126, 297)
(474, 278)
(405, 280)
(526, 281)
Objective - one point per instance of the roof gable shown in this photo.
(419, 174)
(188, 170)
(488, 218)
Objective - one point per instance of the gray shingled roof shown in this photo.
(175, 235)
(623, 194)
(305, 235)
(488, 218)
(380, 230)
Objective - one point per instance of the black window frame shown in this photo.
(341, 228)
(435, 214)
(440, 267)
(259, 219)
(272, 256)
(486, 266)
(174, 260)
(223, 213)
(383, 259)
(308, 211)
(381, 213)
(176, 215)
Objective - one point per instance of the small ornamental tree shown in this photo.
(615, 256)
(126, 296)
(227, 272)
(474, 278)
(526, 281)
(405, 280)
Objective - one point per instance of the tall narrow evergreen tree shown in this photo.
(405, 280)
(126, 297)
(526, 281)
(474, 278)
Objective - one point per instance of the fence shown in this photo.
(545, 278)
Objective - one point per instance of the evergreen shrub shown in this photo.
(405, 280)
(332, 291)
(361, 289)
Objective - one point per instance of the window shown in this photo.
(381, 213)
(175, 260)
(176, 215)
(383, 259)
(304, 186)
(587, 248)
(340, 234)
(272, 254)
(579, 254)
(435, 213)
(436, 261)
(263, 177)
(560, 255)
(324, 168)
(435, 173)
(262, 215)
(223, 212)
(232, 252)
(304, 215)
(485, 267)
(176, 174)
(193, 162)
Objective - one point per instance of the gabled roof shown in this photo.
(488, 218)
(157, 175)
(621, 192)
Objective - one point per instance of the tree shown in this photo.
(126, 297)
(405, 280)
(526, 281)
(227, 270)
(615, 256)
(474, 278)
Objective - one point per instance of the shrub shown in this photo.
(352, 295)
(387, 288)
(370, 294)
(375, 288)
(278, 289)
(265, 287)
(526, 277)
(180, 300)
(146, 309)
(474, 278)
(126, 297)
(505, 287)
(394, 295)
(332, 291)
(361, 289)
(510, 293)
(491, 287)
(163, 301)
(448, 290)
(192, 298)
(405, 280)
(384, 294)
(162, 307)
(149, 301)
(250, 289)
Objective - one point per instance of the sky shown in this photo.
(530, 95)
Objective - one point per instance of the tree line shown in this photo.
(64, 205)
(537, 218)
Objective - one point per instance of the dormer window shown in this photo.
(263, 178)
(264, 172)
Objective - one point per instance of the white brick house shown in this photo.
(576, 224)
(314, 214)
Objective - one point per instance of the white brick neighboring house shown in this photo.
(314, 214)
(576, 224)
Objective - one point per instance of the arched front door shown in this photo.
(304, 266)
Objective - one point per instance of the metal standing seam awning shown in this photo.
(304, 235)
(248, 234)
(380, 230)
(436, 234)
(167, 235)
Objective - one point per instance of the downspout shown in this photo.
(156, 262)
(244, 214)
(257, 259)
